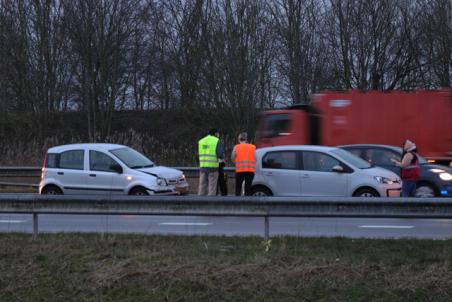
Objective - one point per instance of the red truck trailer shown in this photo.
(355, 117)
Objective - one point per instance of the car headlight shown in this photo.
(384, 180)
(445, 176)
(161, 181)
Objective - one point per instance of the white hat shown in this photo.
(409, 145)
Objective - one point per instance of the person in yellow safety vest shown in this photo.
(210, 151)
(244, 157)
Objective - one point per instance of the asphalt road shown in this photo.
(232, 226)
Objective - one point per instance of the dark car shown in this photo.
(435, 180)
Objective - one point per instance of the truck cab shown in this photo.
(296, 125)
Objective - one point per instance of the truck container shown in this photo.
(355, 117)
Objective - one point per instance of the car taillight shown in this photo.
(43, 166)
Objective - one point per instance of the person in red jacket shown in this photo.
(410, 170)
(244, 157)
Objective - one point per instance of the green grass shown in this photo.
(75, 267)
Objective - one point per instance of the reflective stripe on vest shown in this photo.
(245, 159)
(207, 150)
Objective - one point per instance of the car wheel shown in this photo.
(138, 192)
(51, 190)
(425, 190)
(366, 192)
(261, 191)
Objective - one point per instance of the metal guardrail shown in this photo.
(264, 207)
(20, 171)
(19, 168)
(17, 184)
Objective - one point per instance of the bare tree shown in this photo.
(34, 59)
(238, 62)
(165, 45)
(435, 39)
(100, 33)
(302, 60)
(50, 83)
(183, 23)
(371, 43)
(207, 62)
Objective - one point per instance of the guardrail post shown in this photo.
(35, 225)
(267, 229)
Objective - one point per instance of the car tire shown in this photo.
(261, 191)
(51, 190)
(139, 191)
(366, 192)
(425, 190)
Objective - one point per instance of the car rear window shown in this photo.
(52, 160)
(280, 160)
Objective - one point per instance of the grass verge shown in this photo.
(88, 267)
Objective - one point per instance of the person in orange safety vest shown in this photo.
(244, 157)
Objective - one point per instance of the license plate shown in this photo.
(394, 193)
(182, 190)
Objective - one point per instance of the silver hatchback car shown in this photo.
(320, 171)
(106, 169)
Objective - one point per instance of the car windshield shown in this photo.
(352, 159)
(132, 159)
(421, 159)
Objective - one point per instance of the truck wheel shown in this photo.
(425, 190)
(366, 192)
(51, 190)
(260, 191)
(138, 192)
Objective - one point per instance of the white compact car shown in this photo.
(106, 169)
(320, 171)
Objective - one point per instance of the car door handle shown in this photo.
(92, 175)
(60, 173)
(268, 174)
(305, 176)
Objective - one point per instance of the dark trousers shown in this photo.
(408, 188)
(241, 177)
(222, 181)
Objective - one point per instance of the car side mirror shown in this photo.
(338, 169)
(117, 168)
